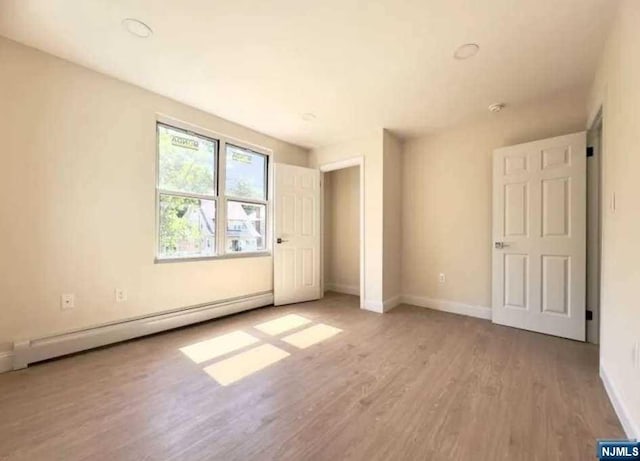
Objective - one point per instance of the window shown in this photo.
(211, 195)
(246, 188)
(246, 174)
(246, 225)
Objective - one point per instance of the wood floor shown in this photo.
(410, 384)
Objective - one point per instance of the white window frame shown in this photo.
(220, 196)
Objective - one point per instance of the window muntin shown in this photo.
(212, 196)
(245, 174)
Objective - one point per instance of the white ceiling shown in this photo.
(356, 64)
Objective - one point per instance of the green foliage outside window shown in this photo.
(187, 165)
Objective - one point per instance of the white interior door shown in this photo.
(296, 257)
(539, 236)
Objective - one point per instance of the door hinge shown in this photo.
(589, 315)
(590, 151)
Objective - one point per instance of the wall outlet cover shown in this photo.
(67, 301)
(120, 295)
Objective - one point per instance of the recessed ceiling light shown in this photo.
(466, 51)
(308, 117)
(137, 27)
(497, 107)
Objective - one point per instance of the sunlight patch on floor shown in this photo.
(282, 324)
(239, 366)
(216, 347)
(230, 357)
(312, 335)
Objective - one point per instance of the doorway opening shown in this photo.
(342, 254)
(594, 227)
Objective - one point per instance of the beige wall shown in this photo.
(370, 149)
(617, 90)
(77, 194)
(447, 196)
(342, 230)
(393, 159)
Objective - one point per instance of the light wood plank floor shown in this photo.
(410, 384)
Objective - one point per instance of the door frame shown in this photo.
(333, 166)
(596, 122)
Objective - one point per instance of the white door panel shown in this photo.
(539, 232)
(296, 256)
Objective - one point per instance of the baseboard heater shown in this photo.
(36, 350)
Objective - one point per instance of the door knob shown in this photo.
(500, 245)
(279, 240)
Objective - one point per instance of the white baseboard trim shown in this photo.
(373, 306)
(481, 312)
(6, 361)
(631, 428)
(390, 303)
(35, 350)
(382, 306)
(345, 289)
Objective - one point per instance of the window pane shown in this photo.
(246, 174)
(187, 161)
(246, 227)
(187, 227)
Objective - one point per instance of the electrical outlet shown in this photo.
(120, 295)
(442, 278)
(67, 301)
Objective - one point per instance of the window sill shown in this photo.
(254, 254)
